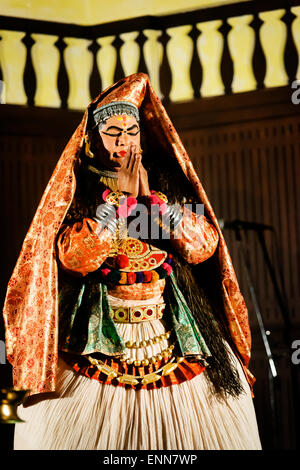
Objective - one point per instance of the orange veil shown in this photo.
(31, 304)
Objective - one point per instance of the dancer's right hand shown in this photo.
(129, 174)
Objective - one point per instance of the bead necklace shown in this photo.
(165, 354)
(142, 344)
(106, 173)
(116, 276)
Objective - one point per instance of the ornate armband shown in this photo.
(106, 216)
(171, 215)
(116, 206)
(124, 205)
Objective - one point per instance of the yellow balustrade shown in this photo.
(296, 36)
(241, 42)
(210, 44)
(180, 53)
(46, 59)
(273, 36)
(130, 53)
(12, 60)
(210, 48)
(153, 54)
(106, 60)
(79, 63)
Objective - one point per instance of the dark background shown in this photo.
(246, 151)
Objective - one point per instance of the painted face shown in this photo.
(118, 133)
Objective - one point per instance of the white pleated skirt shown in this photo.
(86, 415)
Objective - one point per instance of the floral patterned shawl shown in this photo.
(31, 304)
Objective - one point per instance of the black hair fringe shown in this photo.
(201, 284)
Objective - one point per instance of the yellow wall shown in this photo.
(88, 12)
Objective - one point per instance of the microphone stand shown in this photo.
(272, 374)
(287, 334)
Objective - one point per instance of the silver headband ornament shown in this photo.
(114, 109)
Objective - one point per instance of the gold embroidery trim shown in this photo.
(138, 313)
(136, 379)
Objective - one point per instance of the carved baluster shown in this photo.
(13, 60)
(196, 69)
(165, 74)
(29, 78)
(79, 63)
(141, 39)
(180, 54)
(226, 67)
(45, 58)
(130, 53)
(290, 51)
(241, 41)
(106, 60)
(296, 35)
(153, 54)
(259, 60)
(62, 78)
(210, 48)
(273, 36)
(95, 80)
(119, 72)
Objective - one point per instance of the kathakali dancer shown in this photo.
(123, 314)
